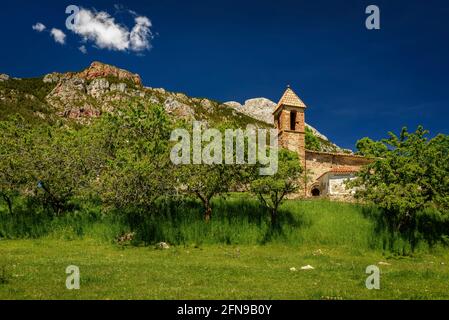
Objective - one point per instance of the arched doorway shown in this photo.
(316, 192)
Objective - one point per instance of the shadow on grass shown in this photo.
(428, 227)
(286, 220)
(234, 221)
(176, 221)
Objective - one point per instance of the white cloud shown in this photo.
(102, 29)
(58, 35)
(140, 35)
(83, 49)
(39, 27)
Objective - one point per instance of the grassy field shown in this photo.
(336, 239)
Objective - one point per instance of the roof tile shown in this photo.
(290, 98)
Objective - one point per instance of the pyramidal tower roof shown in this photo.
(290, 98)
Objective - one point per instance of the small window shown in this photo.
(293, 120)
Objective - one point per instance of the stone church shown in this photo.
(327, 172)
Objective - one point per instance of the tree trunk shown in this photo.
(274, 213)
(9, 202)
(208, 212)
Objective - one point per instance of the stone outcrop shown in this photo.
(52, 77)
(90, 92)
(120, 87)
(101, 70)
(258, 108)
(4, 77)
(207, 105)
(179, 109)
(98, 87)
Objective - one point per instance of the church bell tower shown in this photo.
(289, 120)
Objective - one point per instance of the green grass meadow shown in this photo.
(236, 256)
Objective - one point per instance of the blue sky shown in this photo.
(356, 82)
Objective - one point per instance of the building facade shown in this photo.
(327, 173)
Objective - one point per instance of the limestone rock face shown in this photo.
(68, 87)
(120, 87)
(258, 108)
(70, 98)
(207, 105)
(101, 70)
(177, 108)
(233, 104)
(98, 87)
(52, 77)
(4, 77)
(90, 92)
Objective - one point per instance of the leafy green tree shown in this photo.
(369, 148)
(63, 164)
(272, 190)
(13, 159)
(207, 180)
(135, 144)
(408, 175)
(50, 163)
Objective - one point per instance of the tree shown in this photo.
(13, 159)
(408, 175)
(206, 181)
(49, 163)
(272, 190)
(135, 144)
(369, 148)
(63, 164)
(217, 169)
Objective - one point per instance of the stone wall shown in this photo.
(318, 163)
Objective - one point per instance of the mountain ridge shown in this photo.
(101, 88)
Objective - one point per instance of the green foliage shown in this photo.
(30, 86)
(312, 142)
(272, 190)
(13, 159)
(63, 163)
(408, 177)
(50, 164)
(369, 148)
(25, 97)
(135, 143)
(206, 181)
